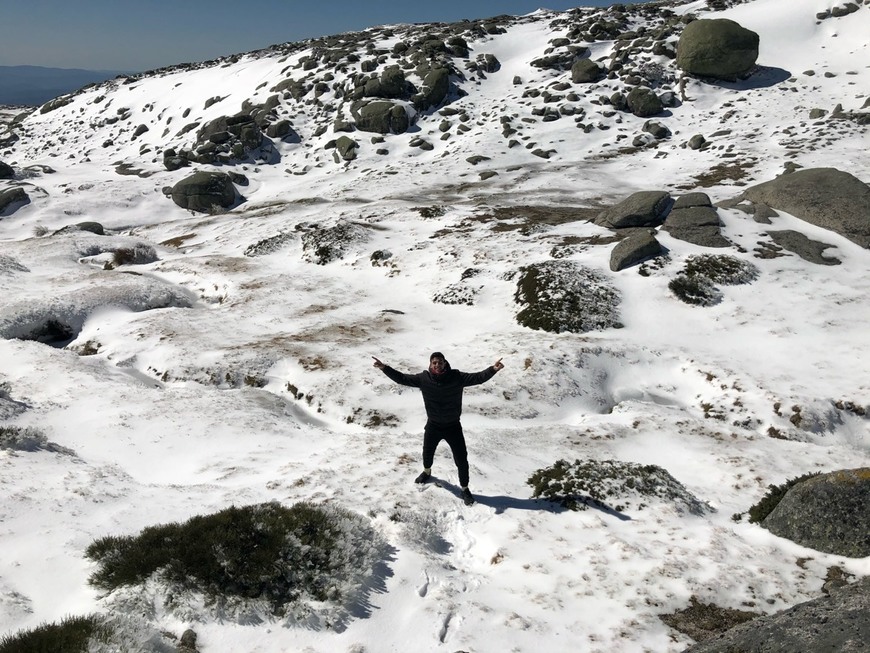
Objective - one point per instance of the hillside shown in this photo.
(458, 188)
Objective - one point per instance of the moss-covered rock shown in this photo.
(828, 512)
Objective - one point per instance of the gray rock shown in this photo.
(637, 247)
(346, 148)
(436, 86)
(829, 513)
(641, 209)
(696, 222)
(6, 171)
(643, 102)
(825, 197)
(12, 199)
(830, 623)
(807, 249)
(719, 48)
(381, 117)
(586, 71)
(204, 191)
(692, 199)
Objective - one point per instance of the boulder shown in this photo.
(11, 199)
(381, 117)
(698, 225)
(829, 513)
(203, 191)
(391, 84)
(646, 208)
(808, 249)
(825, 197)
(346, 148)
(6, 171)
(837, 622)
(586, 71)
(436, 86)
(639, 246)
(718, 48)
(643, 102)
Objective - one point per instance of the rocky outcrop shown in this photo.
(826, 197)
(646, 208)
(828, 513)
(808, 249)
(205, 192)
(6, 171)
(837, 622)
(718, 48)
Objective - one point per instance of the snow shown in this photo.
(253, 381)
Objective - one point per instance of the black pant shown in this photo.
(452, 434)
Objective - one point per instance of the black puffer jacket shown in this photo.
(442, 394)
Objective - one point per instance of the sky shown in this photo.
(136, 36)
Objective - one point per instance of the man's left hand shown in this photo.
(498, 365)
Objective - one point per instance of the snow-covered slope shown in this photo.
(229, 367)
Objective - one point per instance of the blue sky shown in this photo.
(133, 35)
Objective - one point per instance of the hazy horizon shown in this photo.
(101, 35)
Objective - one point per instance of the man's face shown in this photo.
(438, 365)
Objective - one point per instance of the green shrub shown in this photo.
(71, 635)
(696, 290)
(18, 438)
(695, 283)
(775, 493)
(721, 268)
(611, 483)
(268, 553)
(564, 296)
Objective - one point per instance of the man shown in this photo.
(442, 387)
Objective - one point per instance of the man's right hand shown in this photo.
(378, 364)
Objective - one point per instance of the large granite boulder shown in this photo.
(381, 117)
(829, 512)
(694, 220)
(643, 102)
(646, 208)
(826, 197)
(205, 192)
(837, 622)
(436, 86)
(391, 84)
(586, 71)
(718, 48)
(638, 246)
(12, 199)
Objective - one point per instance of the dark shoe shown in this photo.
(467, 496)
(423, 477)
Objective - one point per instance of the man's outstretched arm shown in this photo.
(412, 380)
(476, 378)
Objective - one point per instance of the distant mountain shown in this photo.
(35, 85)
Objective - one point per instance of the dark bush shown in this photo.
(720, 268)
(266, 552)
(611, 483)
(774, 495)
(695, 289)
(72, 635)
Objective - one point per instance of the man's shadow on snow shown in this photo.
(502, 503)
